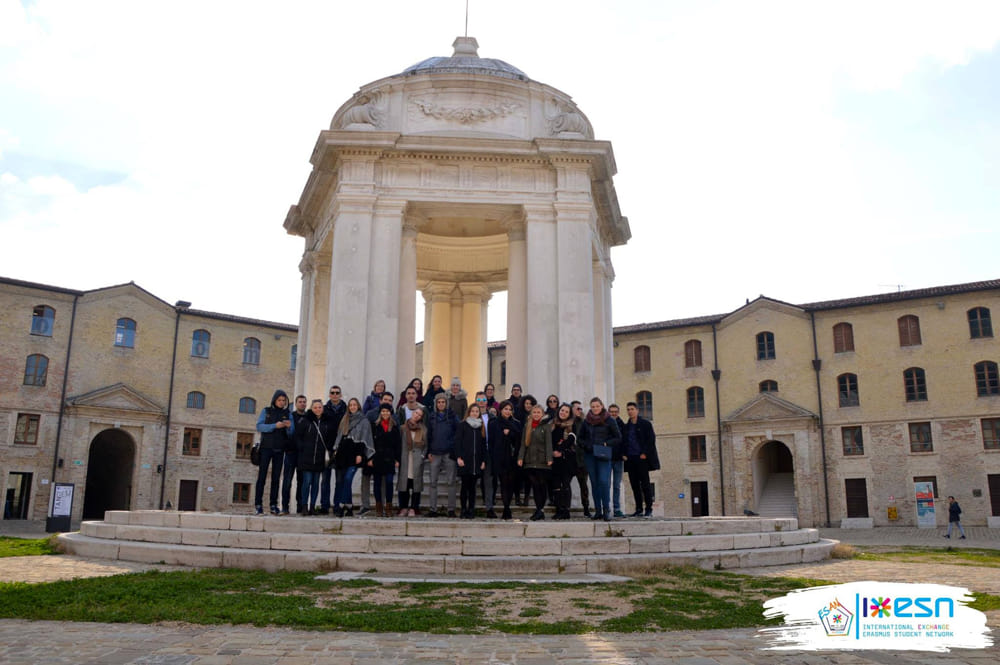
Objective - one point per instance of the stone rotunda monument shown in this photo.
(460, 177)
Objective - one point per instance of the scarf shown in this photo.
(474, 423)
(599, 419)
(414, 434)
(351, 422)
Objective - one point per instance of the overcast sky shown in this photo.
(801, 150)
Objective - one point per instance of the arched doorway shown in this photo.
(109, 474)
(774, 481)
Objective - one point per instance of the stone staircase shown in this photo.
(778, 497)
(444, 546)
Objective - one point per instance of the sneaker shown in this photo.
(451, 513)
(619, 513)
(962, 538)
(275, 511)
(364, 509)
(586, 511)
(637, 513)
(490, 515)
(259, 510)
(648, 513)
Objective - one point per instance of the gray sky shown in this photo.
(805, 151)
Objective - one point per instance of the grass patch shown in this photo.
(963, 556)
(672, 599)
(27, 546)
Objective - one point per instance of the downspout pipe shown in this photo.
(179, 307)
(716, 376)
(817, 366)
(65, 382)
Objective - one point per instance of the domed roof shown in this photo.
(466, 60)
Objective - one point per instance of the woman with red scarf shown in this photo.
(385, 461)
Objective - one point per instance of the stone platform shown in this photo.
(444, 546)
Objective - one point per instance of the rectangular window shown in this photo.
(920, 438)
(928, 479)
(698, 450)
(856, 493)
(241, 492)
(991, 433)
(26, 431)
(853, 442)
(192, 442)
(244, 442)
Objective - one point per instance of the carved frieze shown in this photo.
(465, 114)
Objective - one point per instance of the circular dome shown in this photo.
(466, 60)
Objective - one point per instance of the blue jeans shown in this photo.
(383, 487)
(617, 471)
(599, 471)
(324, 488)
(272, 458)
(344, 491)
(959, 525)
(310, 489)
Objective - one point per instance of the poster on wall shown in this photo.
(924, 492)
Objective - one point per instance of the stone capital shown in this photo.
(475, 292)
(438, 291)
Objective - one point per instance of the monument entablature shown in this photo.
(459, 177)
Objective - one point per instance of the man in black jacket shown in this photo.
(276, 429)
(639, 453)
(291, 462)
(333, 411)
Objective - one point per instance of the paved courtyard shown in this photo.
(59, 643)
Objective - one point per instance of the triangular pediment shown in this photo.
(118, 397)
(763, 303)
(767, 406)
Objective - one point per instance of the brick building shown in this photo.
(830, 411)
(135, 401)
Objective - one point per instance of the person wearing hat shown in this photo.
(385, 461)
(442, 424)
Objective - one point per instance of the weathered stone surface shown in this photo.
(245, 539)
(577, 546)
(320, 543)
(511, 546)
(700, 543)
(411, 545)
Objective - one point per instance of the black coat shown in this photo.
(470, 446)
(503, 447)
(647, 443)
(563, 442)
(605, 432)
(388, 448)
(312, 442)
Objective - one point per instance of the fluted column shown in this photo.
(517, 305)
(603, 350)
(307, 266)
(455, 336)
(405, 347)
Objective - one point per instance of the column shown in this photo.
(383, 293)
(517, 304)
(307, 266)
(542, 296)
(456, 334)
(406, 360)
(313, 360)
(603, 338)
(438, 360)
(475, 296)
(347, 332)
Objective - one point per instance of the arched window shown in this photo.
(843, 338)
(251, 351)
(979, 323)
(294, 357)
(915, 384)
(909, 330)
(196, 400)
(692, 353)
(847, 390)
(695, 402)
(36, 368)
(248, 405)
(201, 341)
(768, 386)
(125, 333)
(43, 318)
(644, 403)
(641, 354)
(765, 346)
(987, 379)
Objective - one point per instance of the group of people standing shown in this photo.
(517, 446)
